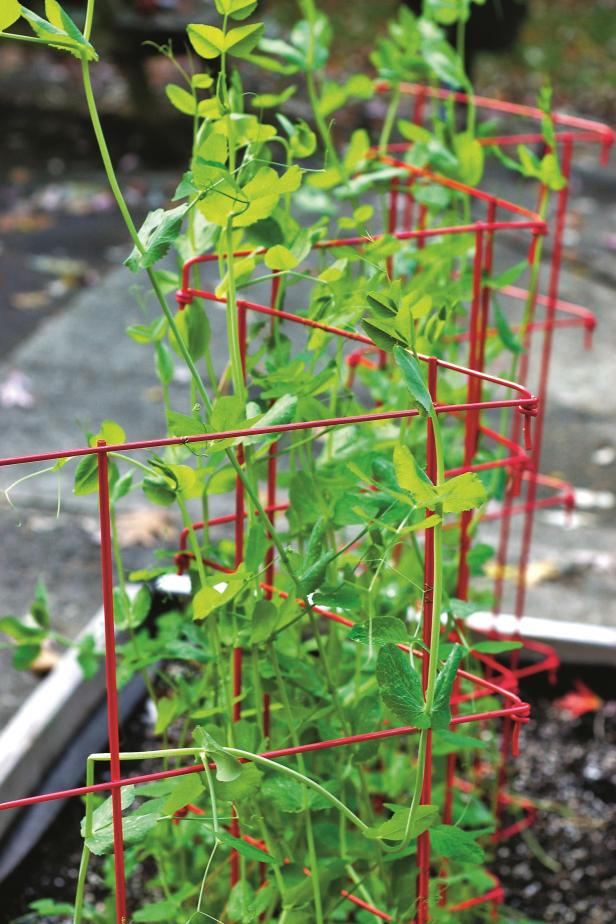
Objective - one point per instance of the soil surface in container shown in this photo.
(562, 871)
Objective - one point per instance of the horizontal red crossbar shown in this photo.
(592, 130)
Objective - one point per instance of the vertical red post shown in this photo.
(113, 717)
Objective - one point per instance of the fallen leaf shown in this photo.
(578, 701)
(31, 301)
(536, 573)
(24, 221)
(46, 661)
(144, 526)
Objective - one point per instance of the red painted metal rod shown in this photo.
(603, 133)
(518, 712)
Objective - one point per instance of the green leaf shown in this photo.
(194, 328)
(10, 12)
(103, 815)
(383, 333)
(227, 413)
(281, 412)
(184, 425)
(245, 786)
(24, 655)
(448, 742)
(395, 827)
(413, 479)
(455, 844)
(507, 336)
(241, 41)
(264, 621)
(439, 56)
(148, 333)
(494, 646)
(413, 132)
(140, 607)
(134, 827)
(164, 364)
(441, 709)
(157, 912)
(280, 258)
(464, 492)
(272, 100)
(400, 686)
(60, 31)
(240, 903)
(21, 632)
(187, 790)
(86, 476)
(181, 99)
(210, 598)
(236, 9)
(380, 631)
(360, 86)
(111, 432)
(158, 490)
(39, 610)
(411, 372)
(508, 276)
(48, 907)
(208, 41)
(202, 81)
(357, 149)
(227, 767)
(284, 794)
(549, 173)
(470, 156)
(87, 657)
(245, 849)
(262, 194)
(158, 232)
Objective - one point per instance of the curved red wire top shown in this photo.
(587, 130)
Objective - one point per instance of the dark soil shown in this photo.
(563, 871)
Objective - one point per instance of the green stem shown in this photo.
(388, 124)
(435, 635)
(85, 854)
(30, 39)
(237, 370)
(291, 723)
(246, 755)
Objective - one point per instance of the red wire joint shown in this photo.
(182, 562)
(528, 411)
(183, 298)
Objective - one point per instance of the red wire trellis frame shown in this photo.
(570, 132)
(514, 710)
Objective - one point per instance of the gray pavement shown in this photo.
(81, 368)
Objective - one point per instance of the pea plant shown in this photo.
(328, 606)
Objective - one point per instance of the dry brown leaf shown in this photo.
(28, 301)
(46, 661)
(24, 222)
(144, 526)
(536, 573)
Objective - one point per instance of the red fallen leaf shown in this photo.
(579, 701)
